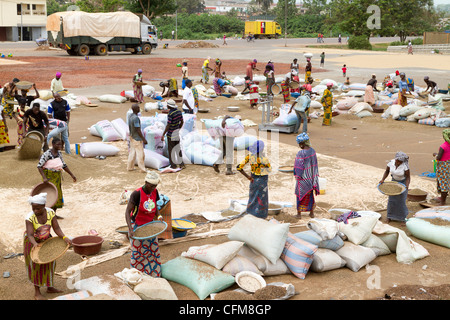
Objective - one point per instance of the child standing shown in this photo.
(344, 70)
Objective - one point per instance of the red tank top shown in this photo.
(146, 209)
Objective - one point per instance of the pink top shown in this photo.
(446, 147)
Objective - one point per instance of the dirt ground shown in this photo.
(352, 152)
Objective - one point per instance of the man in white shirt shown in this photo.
(188, 98)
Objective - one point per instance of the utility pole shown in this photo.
(176, 21)
(21, 22)
(285, 22)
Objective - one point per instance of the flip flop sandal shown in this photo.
(12, 255)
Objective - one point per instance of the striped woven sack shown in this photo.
(297, 254)
(427, 121)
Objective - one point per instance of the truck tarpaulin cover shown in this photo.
(113, 24)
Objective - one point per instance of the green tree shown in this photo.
(191, 6)
(151, 8)
(404, 18)
(264, 4)
(280, 10)
(400, 17)
(55, 6)
(315, 6)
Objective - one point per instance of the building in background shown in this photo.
(27, 15)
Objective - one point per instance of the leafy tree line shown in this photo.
(352, 18)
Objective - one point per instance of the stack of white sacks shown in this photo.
(196, 147)
(430, 112)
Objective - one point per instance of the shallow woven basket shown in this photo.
(393, 183)
(152, 235)
(34, 254)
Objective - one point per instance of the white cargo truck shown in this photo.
(81, 33)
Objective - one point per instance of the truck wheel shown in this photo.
(101, 50)
(146, 49)
(83, 50)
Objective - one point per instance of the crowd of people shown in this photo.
(143, 206)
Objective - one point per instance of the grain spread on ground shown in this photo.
(439, 222)
(390, 188)
(197, 44)
(417, 192)
(249, 283)
(233, 295)
(149, 230)
(229, 213)
(50, 250)
(269, 293)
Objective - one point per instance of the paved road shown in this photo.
(277, 50)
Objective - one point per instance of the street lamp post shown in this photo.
(21, 22)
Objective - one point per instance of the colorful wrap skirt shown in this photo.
(285, 91)
(443, 175)
(40, 275)
(55, 177)
(205, 74)
(308, 202)
(145, 255)
(258, 200)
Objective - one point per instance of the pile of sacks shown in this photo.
(196, 148)
(430, 112)
(267, 248)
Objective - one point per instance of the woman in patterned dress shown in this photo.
(327, 103)
(39, 223)
(137, 88)
(50, 166)
(9, 94)
(306, 172)
(142, 208)
(443, 167)
(258, 200)
(4, 137)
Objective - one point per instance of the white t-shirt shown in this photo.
(189, 97)
(399, 172)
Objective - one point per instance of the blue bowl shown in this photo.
(295, 94)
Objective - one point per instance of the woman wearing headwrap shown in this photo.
(306, 173)
(8, 95)
(402, 89)
(253, 89)
(250, 67)
(443, 168)
(285, 88)
(216, 71)
(56, 85)
(39, 223)
(50, 167)
(137, 87)
(142, 208)
(398, 168)
(308, 69)
(205, 69)
(327, 103)
(4, 136)
(258, 199)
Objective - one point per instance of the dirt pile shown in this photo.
(197, 44)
